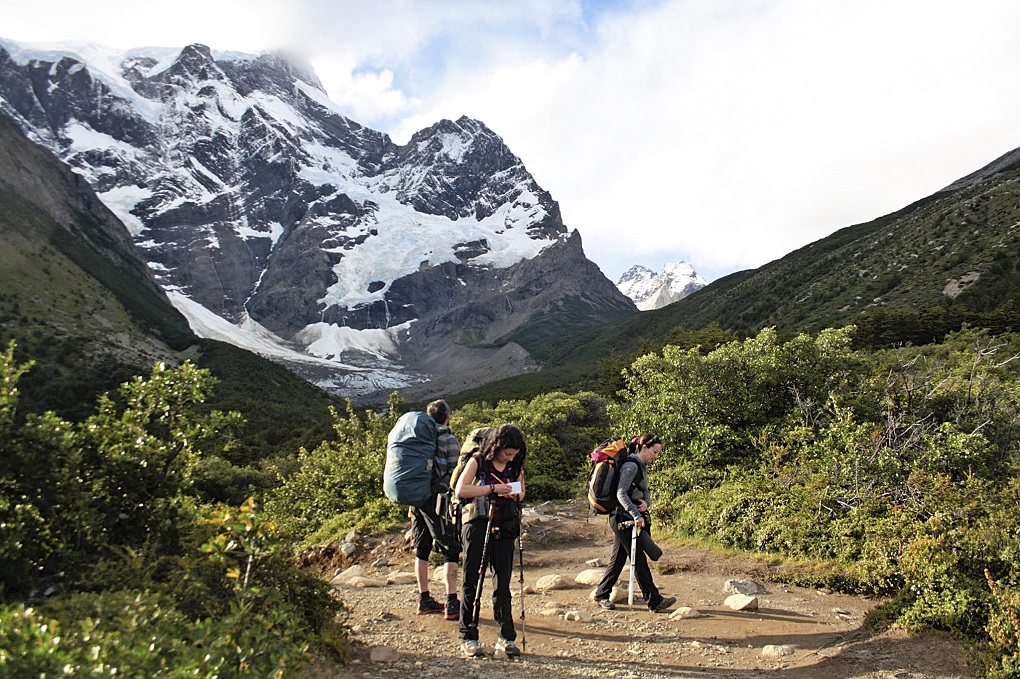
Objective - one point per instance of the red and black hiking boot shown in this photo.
(426, 605)
(452, 610)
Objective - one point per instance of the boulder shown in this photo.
(590, 576)
(363, 581)
(401, 578)
(578, 616)
(551, 582)
(343, 576)
(741, 602)
(748, 587)
(618, 595)
(384, 654)
(684, 613)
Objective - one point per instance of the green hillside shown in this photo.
(80, 304)
(959, 245)
(950, 259)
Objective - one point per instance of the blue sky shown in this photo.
(725, 133)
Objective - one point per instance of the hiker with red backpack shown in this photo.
(490, 489)
(631, 524)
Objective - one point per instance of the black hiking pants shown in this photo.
(501, 564)
(621, 552)
(429, 528)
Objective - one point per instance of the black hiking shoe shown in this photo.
(452, 609)
(606, 604)
(663, 604)
(426, 605)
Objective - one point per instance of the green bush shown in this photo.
(1002, 658)
(898, 467)
(338, 479)
(149, 581)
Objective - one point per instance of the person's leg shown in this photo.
(621, 548)
(656, 602)
(473, 540)
(442, 536)
(644, 578)
(502, 604)
(451, 610)
(422, 549)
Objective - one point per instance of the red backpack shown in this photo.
(605, 474)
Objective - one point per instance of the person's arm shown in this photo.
(447, 456)
(466, 488)
(628, 472)
(452, 452)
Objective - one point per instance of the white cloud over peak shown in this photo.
(725, 134)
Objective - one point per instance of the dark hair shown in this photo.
(438, 411)
(506, 436)
(645, 440)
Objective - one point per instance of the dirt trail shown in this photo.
(825, 630)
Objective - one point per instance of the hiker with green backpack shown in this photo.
(489, 484)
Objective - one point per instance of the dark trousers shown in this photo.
(501, 563)
(430, 529)
(621, 552)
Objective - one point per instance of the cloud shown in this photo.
(724, 133)
(732, 136)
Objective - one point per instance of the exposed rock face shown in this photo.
(251, 194)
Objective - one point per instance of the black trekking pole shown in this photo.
(520, 554)
(481, 566)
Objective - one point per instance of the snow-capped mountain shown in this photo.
(651, 290)
(275, 222)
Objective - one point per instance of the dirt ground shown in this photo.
(822, 631)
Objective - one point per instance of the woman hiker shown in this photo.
(490, 482)
(633, 499)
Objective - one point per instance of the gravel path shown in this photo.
(795, 632)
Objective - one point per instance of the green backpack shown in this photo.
(472, 444)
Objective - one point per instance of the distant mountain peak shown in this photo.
(651, 290)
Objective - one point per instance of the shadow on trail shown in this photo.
(840, 655)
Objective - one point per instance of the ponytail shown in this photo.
(644, 441)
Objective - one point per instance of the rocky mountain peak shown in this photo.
(265, 212)
(650, 290)
(196, 63)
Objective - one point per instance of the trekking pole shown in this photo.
(520, 554)
(633, 567)
(481, 566)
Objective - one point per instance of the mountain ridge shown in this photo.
(913, 275)
(654, 290)
(251, 194)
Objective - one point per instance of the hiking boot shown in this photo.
(471, 649)
(663, 604)
(507, 646)
(426, 605)
(606, 604)
(452, 609)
